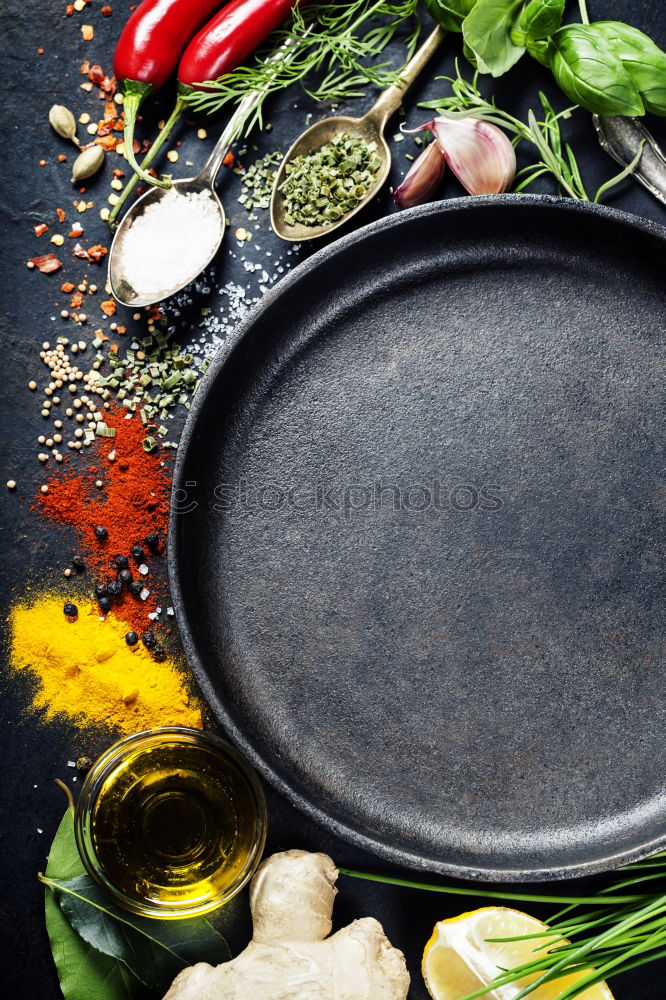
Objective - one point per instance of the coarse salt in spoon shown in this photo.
(170, 235)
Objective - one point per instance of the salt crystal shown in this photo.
(170, 243)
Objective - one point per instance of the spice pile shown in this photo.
(87, 671)
(257, 181)
(169, 244)
(119, 508)
(327, 183)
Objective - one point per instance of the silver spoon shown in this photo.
(369, 128)
(621, 138)
(121, 286)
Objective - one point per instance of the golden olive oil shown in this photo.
(175, 825)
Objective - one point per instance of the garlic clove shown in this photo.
(423, 177)
(479, 153)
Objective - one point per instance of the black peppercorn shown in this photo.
(78, 563)
(125, 576)
(135, 588)
(114, 588)
(101, 534)
(131, 638)
(121, 562)
(100, 589)
(104, 604)
(137, 553)
(70, 611)
(149, 640)
(158, 651)
(152, 541)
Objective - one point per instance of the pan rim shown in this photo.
(396, 855)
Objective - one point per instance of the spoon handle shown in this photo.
(208, 172)
(391, 98)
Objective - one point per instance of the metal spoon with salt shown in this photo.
(369, 128)
(121, 286)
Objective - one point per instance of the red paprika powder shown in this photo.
(131, 503)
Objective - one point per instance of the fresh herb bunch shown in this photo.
(556, 157)
(607, 67)
(332, 53)
(605, 934)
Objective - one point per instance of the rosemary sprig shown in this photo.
(555, 157)
(600, 935)
(333, 55)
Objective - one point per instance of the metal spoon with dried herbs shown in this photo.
(327, 183)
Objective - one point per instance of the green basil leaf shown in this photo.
(469, 55)
(590, 73)
(644, 61)
(83, 972)
(539, 51)
(449, 14)
(155, 951)
(487, 32)
(540, 18)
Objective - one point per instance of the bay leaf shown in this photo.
(155, 951)
(83, 972)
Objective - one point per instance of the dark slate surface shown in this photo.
(34, 754)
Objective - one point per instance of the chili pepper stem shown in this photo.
(134, 94)
(174, 117)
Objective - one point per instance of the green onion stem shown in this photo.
(516, 896)
(657, 905)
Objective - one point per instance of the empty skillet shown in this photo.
(417, 538)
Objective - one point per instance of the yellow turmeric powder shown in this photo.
(87, 672)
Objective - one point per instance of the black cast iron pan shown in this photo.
(418, 536)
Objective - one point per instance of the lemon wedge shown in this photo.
(459, 958)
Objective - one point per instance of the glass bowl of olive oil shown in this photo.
(171, 822)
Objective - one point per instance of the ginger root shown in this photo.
(290, 956)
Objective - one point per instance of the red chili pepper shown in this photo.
(229, 37)
(149, 48)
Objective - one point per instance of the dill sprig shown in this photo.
(555, 157)
(332, 53)
(618, 928)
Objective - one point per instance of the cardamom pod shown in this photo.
(87, 163)
(63, 122)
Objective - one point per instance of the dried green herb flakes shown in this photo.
(327, 183)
